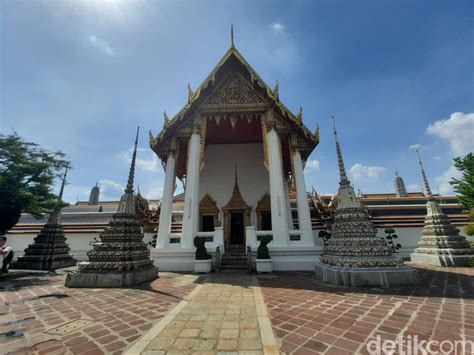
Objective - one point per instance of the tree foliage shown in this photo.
(27, 175)
(465, 186)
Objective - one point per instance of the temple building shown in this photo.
(240, 153)
(234, 128)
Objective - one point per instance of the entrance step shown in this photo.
(234, 259)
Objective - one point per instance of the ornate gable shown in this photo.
(233, 90)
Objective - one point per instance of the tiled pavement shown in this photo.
(226, 314)
(34, 304)
(311, 317)
(308, 317)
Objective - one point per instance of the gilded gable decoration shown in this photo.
(208, 205)
(233, 90)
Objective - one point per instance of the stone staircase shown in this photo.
(234, 259)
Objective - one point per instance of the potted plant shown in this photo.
(202, 259)
(264, 261)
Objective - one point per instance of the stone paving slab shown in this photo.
(50, 318)
(226, 314)
(311, 317)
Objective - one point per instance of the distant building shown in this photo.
(94, 196)
(400, 189)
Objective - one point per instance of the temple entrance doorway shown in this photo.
(237, 232)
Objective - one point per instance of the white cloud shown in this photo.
(110, 190)
(443, 180)
(101, 45)
(414, 146)
(151, 163)
(312, 165)
(278, 27)
(361, 172)
(458, 130)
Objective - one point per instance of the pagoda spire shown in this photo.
(232, 35)
(61, 191)
(55, 217)
(236, 181)
(127, 204)
(425, 180)
(342, 170)
(131, 174)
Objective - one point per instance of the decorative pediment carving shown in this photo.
(233, 90)
(264, 204)
(208, 206)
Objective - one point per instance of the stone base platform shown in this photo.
(366, 277)
(110, 280)
(448, 260)
(42, 264)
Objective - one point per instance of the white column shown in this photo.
(166, 208)
(288, 205)
(191, 195)
(277, 191)
(304, 217)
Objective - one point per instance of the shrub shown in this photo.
(391, 236)
(262, 251)
(325, 236)
(201, 252)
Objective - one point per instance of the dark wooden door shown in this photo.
(237, 232)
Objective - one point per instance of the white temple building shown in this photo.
(239, 151)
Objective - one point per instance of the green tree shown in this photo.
(465, 186)
(27, 174)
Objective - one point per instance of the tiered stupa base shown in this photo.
(441, 244)
(355, 257)
(120, 259)
(366, 277)
(42, 263)
(111, 280)
(49, 250)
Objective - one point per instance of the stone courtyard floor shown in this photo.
(291, 312)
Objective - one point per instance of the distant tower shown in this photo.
(94, 196)
(400, 186)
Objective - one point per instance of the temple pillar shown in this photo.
(289, 215)
(304, 216)
(166, 207)
(277, 190)
(191, 194)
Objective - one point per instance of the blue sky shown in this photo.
(80, 75)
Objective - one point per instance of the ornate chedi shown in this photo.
(440, 244)
(354, 255)
(49, 250)
(121, 258)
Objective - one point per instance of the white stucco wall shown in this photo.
(78, 242)
(217, 177)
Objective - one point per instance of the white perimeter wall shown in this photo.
(78, 242)
(217, 177)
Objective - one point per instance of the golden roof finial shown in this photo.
(190, 93)
(299, 116)
(276, 90)
(232, 35)
(316, 132)
(167, 119)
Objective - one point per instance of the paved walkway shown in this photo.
(39, 315)
(226, 314)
